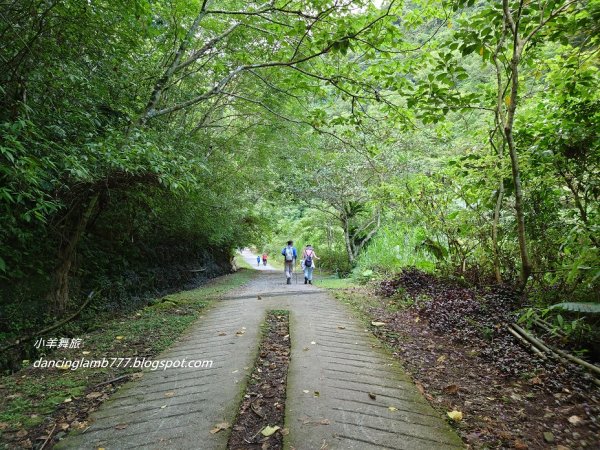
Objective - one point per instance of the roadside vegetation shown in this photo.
(39, 404)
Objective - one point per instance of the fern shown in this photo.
(586, 308)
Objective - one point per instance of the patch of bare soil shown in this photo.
(259, 423)
(454, 343)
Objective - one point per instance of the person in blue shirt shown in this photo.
(258, 260)
(290, 255)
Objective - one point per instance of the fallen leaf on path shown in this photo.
(420, 387)
(222, 333)
(574, 420)
(93, 395)
(520, 445)
(313, 343)
(451, 389)
(455, 415)
(170, 394)
(305, 391)
(163, 406)
(392, 408)
(305, 349)
(341, 327)
(317, 393)
(284, 431)
(220, 427)
(269, 430)
(372, 396)
(121, 426)
(378, 324)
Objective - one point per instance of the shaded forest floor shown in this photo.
(452, 341)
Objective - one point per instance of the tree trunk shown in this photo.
(499, 120)
(348, 241)
(497, 268)
(59, 296)
(520, 215)
(512, 149)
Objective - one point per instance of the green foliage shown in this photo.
(578, 307)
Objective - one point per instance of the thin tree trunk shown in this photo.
(497, 268)
(59, 295)
(499, 120)
(512, 148)
(348, 240)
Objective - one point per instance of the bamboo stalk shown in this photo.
(540, 323)
(525, 342)
(530, 338)
(558, 353)
(581, 362)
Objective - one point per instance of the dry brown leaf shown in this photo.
(222, 333)
(520, 445)
(170, 394)
(451, 389)
(372, 396)
(341, 327)
(121, 426)
(93, 395)
(220, 427)
(536, 380)
(420, 387)
(284, 431)
(378, 324)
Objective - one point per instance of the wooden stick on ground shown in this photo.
(526, 342)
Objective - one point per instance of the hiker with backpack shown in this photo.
(308, 263)
(264, 258)
(290, 255)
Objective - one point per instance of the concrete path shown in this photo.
(335, 371)
(251, 259)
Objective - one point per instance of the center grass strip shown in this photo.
(259, 423)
